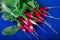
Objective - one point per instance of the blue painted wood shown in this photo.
(49, 35)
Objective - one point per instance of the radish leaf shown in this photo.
(10, 30)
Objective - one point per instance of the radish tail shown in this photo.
(28, 36)
(51, 16)
(41, 28)
(37, 25)
(53, 7)
(49, 26)
(35, 36)
(39, 35)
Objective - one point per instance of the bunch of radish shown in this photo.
(25, 12)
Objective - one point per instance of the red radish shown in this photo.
(30, 25)
(28, 14)
(22, 28)
(37, 25)
(37, 14)
(44, 14)
(44, 8)
(40, 9)
(29, 29)
(40, 21)
(50, 15)
(24, 21)
(32, 22)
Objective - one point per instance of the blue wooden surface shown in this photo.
(49, 35)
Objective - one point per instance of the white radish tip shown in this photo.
(31, 27)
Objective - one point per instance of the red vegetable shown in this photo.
(44, 14)
(28, 14)
(22, 28)
(37, 14)
(40, 21)
(28, 28)
(29, 23)
(40, 9)
(32, 22)
(44, 8)
(24, 21)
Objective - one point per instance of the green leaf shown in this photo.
(11, 2)
(36, 5)
(16, 12)
(10, 30)
(8, 16)
(22, 14)
(18, 5)
(30, 3)
(31, 12)
(5, 8)
(25, 1)
(8, 10)
(0, 7)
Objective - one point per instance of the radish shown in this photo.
(44, 8)
(40, 21)
(24, 30)
(36, 24)
(29, 29)
(32, 22)
(44, 14)
(28, 14)
(37, 14)
(47, 23)
(29, 25)
(24, 21)
(34, 32)
(49, 16)
(32, 29)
